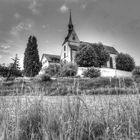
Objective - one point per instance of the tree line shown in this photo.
(87, 56)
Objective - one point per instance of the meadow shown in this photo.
(69, 86)
(96, 117)
(88, 109)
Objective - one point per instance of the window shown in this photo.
(64, 48)
(111, 62)
(64, 55)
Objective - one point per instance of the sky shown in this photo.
(112, 22)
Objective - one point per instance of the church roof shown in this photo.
(52, 58)
(111, 50)
(67, 38)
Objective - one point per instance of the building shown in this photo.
(72, 42)
(48, 59)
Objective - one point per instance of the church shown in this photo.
(72, 42)
(70, 46)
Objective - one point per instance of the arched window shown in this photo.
(64, 48)
(111, 62)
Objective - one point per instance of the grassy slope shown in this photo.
(70, 86)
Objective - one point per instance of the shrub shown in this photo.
(125, 62)
(43, 78)
(136, 71)
(68, 70)
(53, 69)
(92, 73)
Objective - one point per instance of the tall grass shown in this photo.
(70, 118)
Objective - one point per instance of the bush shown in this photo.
(43, 78)
(53, 69)
(125, 62)
(68, 70)
(136, 71)
(92, 73)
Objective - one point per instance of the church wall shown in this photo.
(113, 60)
(113, 56)
(67, 52)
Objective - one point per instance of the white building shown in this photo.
(72, 42)
(48, 59)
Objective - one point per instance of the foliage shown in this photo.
(125, 62)
(102, 55)
(91, 55)
(32, 65)
(92, 73)
(136, 71)
(53, 69)
(14, 68)
(44, 78)
(30, 123)
(68, 70)
(86, 56)
(73, 118)
(4, 71)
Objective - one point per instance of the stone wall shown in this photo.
(107, 72)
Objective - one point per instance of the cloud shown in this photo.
(34, 6)
(17, 15)
(71, 0)
(20, 27)
(4, 47)
(64, 8)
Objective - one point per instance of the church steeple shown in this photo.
(70, 25)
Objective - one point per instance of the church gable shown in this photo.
(73, 37)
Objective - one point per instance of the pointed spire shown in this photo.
(70, 25)
(70, 19)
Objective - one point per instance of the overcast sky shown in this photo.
(112, 22)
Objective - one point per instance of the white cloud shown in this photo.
(84, 5)
(17, 15)
(34, 6)
(64, 8)
(20, 27)
(72, 0)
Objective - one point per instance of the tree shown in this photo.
(14, 68)
(86, 56)
(32, 64)
(125, 62)
(16, 65)
(102, 55)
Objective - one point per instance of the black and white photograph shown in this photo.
(69, 69)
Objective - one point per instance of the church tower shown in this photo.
(70, 44)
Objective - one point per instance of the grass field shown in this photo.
(101, 117)
(92, 109)
(69, 86)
